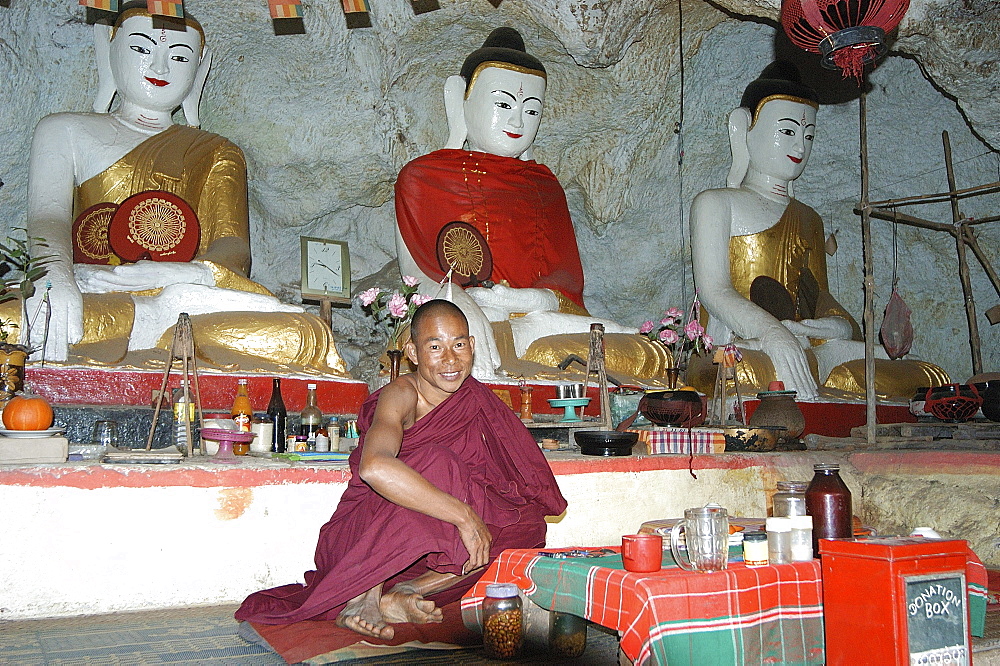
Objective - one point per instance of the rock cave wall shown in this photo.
(327, 119)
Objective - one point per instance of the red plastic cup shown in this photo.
(642, 553)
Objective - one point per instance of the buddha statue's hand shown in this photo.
(141, 275)
(65, 321)
(500, 301)
(827, 328)
(789, 360)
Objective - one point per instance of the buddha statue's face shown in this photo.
(781, 138)
(154, 68)
(503, 110)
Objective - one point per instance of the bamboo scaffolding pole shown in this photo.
(963, 263)
(869, 285)
(939, 196)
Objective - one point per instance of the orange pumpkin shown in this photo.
(27, 412)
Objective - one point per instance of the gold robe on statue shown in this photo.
(790, 252)
(209, 173)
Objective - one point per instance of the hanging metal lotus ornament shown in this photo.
(848, 33)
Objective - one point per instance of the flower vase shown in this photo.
(395, 358)
(673, 376)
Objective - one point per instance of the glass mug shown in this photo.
(706, 534)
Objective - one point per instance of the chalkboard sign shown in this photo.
(937, 619)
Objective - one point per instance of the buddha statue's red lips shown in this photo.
(513, 136)
(159, 83)
(797, 160)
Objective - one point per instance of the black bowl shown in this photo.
(605, 442)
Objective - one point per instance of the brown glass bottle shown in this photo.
(828, 501)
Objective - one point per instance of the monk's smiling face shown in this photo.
(442, 350)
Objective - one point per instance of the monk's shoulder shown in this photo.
(397, 401)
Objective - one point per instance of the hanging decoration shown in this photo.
(171, 8)
(285, 9)
(357, 13)
(848, 35)
(103, 5)
(424, 6)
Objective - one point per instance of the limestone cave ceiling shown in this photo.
(956, 42)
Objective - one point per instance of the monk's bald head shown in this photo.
(433, 309)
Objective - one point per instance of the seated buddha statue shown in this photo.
(760, 265)
(146, 219)
(483, 211)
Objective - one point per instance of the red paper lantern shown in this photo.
(848, 33)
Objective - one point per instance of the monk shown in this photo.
(444, 479)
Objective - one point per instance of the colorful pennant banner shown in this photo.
(285, 9)
(172, 8)
(104, 5)
(356, 13)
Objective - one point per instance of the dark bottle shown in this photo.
(279, 416)
(828, 501)
(310, 418)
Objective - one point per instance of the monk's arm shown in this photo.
(401, 484)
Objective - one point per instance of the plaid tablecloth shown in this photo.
(664, 439)
(741, 615)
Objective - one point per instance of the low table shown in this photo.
(742, 615)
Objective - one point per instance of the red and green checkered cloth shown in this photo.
(741, 615)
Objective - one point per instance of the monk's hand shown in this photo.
(477, 540)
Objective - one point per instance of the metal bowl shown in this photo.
(745, 438)
(605, 442)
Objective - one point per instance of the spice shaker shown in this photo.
(503, 621)
(828, 501)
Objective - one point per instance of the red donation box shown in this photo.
(895, 600)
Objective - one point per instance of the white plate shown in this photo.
(25, 434)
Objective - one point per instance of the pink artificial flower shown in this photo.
(667, 321)
(709, 342)
(676, 313)
(419, 299)
(646, 327)
(693, 330)
(368, 296)
(397, 305)
(410, 281)
(669, 337)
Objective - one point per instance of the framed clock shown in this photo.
(326, 269)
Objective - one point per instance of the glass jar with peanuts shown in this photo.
(503, 621)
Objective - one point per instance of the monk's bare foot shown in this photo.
(363, 615)
(403, 604)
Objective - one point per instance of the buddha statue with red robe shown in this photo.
(484, 211)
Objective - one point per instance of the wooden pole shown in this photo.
(963, 264)
(869, 314)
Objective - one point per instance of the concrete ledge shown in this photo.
(85, 538)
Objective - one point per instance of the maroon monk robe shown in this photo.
(518, 205)
(472, 447)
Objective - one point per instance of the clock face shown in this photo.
(325, 268)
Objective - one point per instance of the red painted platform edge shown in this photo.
(835, 419)
(94, 476)
(118, 388)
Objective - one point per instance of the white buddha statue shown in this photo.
(103, 308)
(759, 261)
(486, 178)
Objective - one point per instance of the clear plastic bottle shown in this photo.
(779, 540)
(801, 538)
(242, 411)
(503, 621)
(182, 406)
(790, 500)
